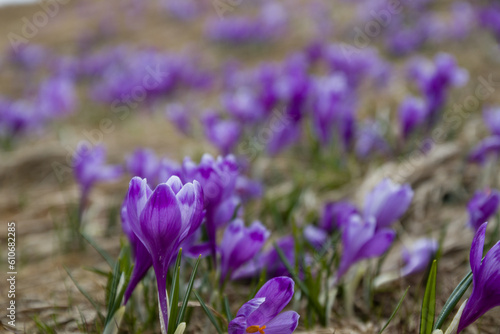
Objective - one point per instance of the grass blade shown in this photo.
(208, 313)
(84, 293)
(174, 277)
(174, 306)
(429, 302)
(453, 300)
(229, 316)
(99, 250)
(317, 307)
(184, 305)
(395, 311)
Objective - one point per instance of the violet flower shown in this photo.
(411, 113)
(162, 219)
(144, 164)
(491, 117)
(179, 115)
(488, 147)
(370, 140)
(218, 179)
(261, 314)
(223, 133)
(90, 168)
(387, 202)
(361, 240)
(485, 280)
(233, 254)
(57, 96)
(482, 206)
(315, 236)
(336, 214)
(419, 256)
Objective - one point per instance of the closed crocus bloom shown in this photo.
(488, 147)
(491, 118)
(262, 313)
(315, 236)
(218, 179)
(418, 257)
(336, 214)
(485, 280)
(411, 113)
(361, 240)
(233, 255)
(57, 96)
(387, 202)
(370, 140)
(482, 206)
(162, 219)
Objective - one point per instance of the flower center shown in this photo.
(255, 329)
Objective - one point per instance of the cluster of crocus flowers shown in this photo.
(486, 280)
(162, 219)
(482, 206)
(262, 313)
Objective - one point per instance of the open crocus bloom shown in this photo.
(486, 280)
(261, 314)
(482, 206)
(162, 219)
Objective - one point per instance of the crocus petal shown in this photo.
(284, 323)
(377, 245)
(476, 251)
(160, 221)
(315, 236)
(137, 196)
(278, 292)
(175, 183)
(190, 199)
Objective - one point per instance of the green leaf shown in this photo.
(184, 305)
(453, 300)
(229, 316)
(315, 304)
(429, 302)
(208, 313)
(177, 267)
(395, 311)
(174, 302)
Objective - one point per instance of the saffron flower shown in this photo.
(162, 219)
(262, 313)
(387, 202)
(233, 255)
(361, 240)
(418, 257)
(485, 280)
(482, 206)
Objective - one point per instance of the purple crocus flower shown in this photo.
(233, 255)
(387, 202)
(162, 219)
(244, 105)
(143, 163)
(418, 257)
(315, 236)
(90, 167)
(411, 113)
(223, 133)
(218, 179)
(248, 189)
(491, 118)
(57, 96)
(482, 206)
(336, 214)
(140, 253)
(488, 147)
(179, 115)
(361, 240)
(489, 17)
(370, 140)
(261, 314)
(485, 280)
